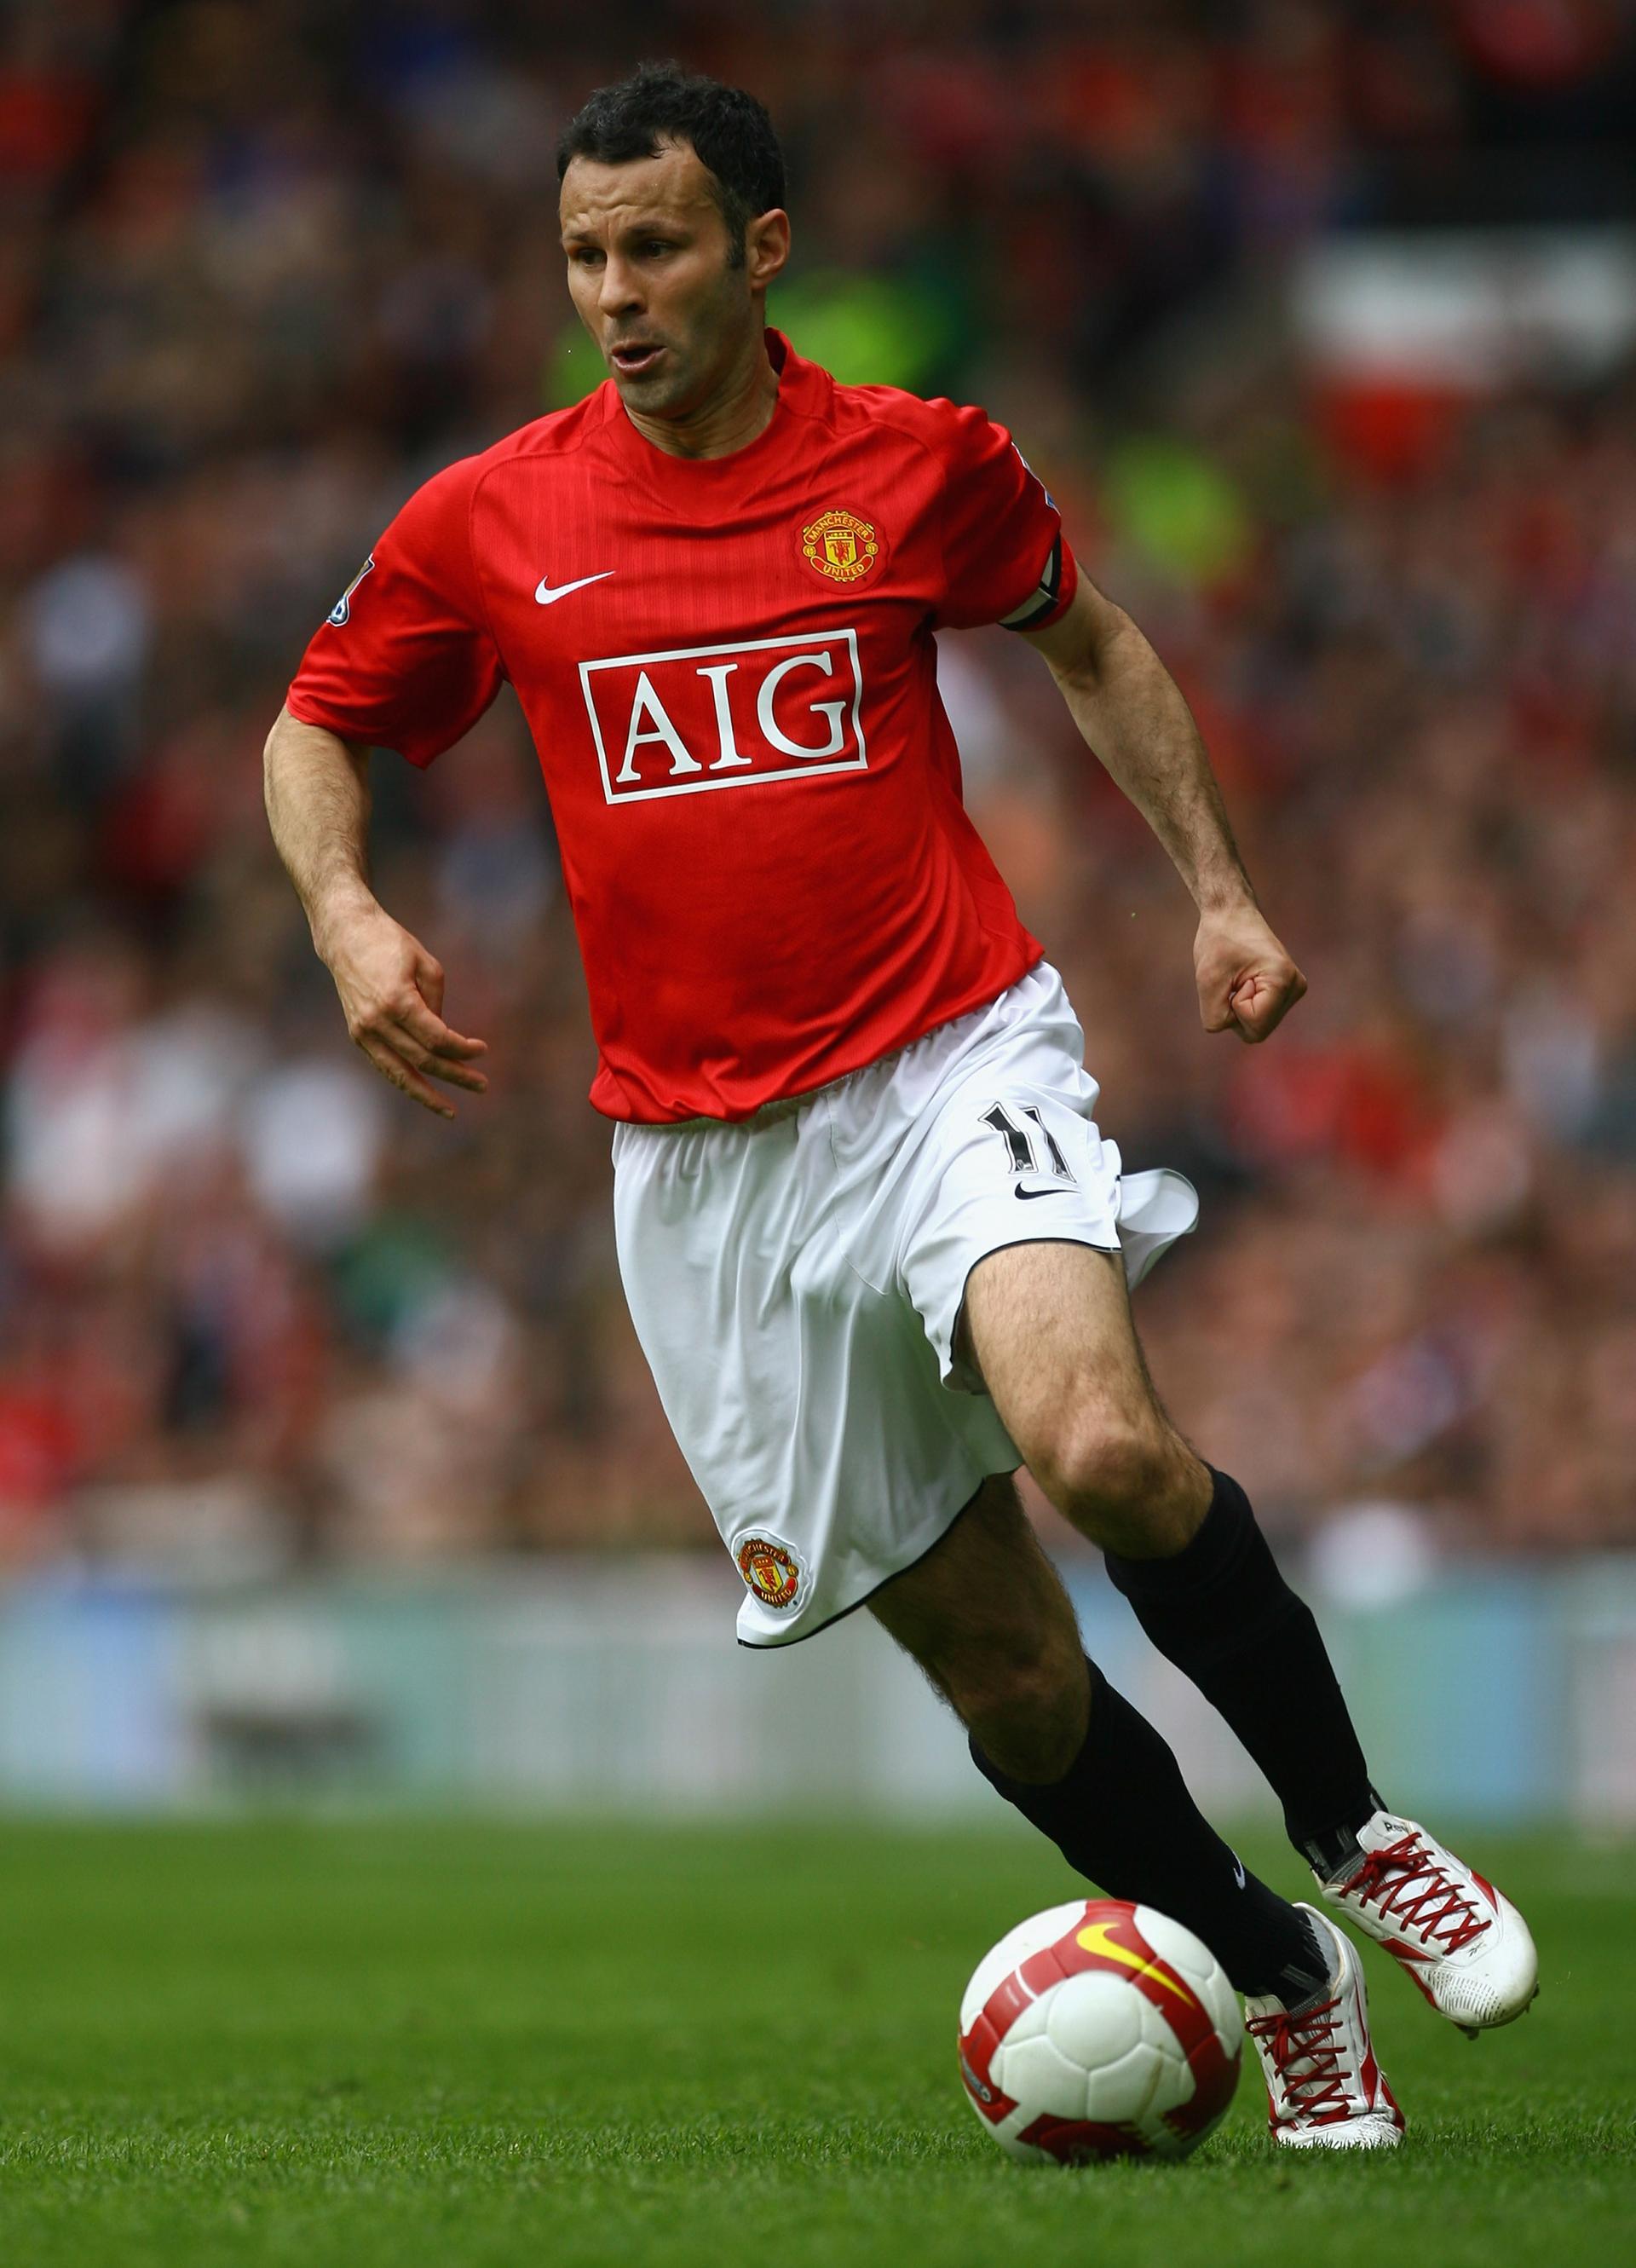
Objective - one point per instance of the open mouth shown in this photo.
(634, 357)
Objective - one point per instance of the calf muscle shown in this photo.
(987, 1617)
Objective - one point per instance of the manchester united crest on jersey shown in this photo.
(840, 546)
(771, 1571)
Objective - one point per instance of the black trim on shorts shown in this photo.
(783, 1645)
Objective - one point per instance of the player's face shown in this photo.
(649, 269)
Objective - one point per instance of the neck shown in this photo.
(738, 410)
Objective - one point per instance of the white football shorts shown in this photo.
(796, 1282)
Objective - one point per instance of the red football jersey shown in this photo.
(728, 667)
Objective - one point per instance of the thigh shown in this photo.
(1004, 1150)
(1048, 1330)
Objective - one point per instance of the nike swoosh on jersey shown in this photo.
(545, 596)
(1017, 1191)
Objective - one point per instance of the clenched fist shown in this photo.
(1247, 983)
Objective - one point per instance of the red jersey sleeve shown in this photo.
(406, 659)
(1004, 557)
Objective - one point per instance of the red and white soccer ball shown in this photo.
(1099, 2029)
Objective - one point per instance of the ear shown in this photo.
(767, 247)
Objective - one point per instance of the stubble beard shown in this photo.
(664, 394)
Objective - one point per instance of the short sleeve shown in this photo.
(405, 658)
(1004, 557)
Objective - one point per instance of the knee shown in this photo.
(1121, 1479)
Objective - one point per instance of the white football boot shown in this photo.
(1325, 2090)
(1465, 1946)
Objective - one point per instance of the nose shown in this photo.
(618, 294)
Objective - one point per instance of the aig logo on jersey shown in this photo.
(725, 716)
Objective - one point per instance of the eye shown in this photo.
(584, 255)
(657, 244)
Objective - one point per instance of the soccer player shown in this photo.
(876, 1249)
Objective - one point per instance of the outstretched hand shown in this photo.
(1247, 983)
(391, 990)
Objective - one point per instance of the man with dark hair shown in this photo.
(728, 131)
(877, 1251)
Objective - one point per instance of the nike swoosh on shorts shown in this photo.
(545, 596)
(1019, 1191)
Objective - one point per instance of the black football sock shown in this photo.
(1223, 1613)
(1122, 1815)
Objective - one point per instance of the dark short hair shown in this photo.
(729, 131)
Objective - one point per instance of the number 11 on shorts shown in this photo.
(1023, 1156)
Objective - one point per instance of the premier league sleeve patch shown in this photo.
(342, 608)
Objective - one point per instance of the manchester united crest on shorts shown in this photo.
(771, 1572)
(840, 546)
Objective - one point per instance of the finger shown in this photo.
(411, 1014)
(394, 1068)
(429, 978)
(402, 1043)
(1260, 1007)
(1216, 1017)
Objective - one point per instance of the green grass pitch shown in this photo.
(454, 2044)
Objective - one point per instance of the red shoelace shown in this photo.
(1439, 1913)
(1318, 2093)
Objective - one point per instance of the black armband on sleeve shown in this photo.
(1042, 599)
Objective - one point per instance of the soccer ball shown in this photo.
(1099, 2029)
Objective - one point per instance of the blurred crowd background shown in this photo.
(264, 268)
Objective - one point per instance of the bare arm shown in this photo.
(391, 987)
(1130, 712)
